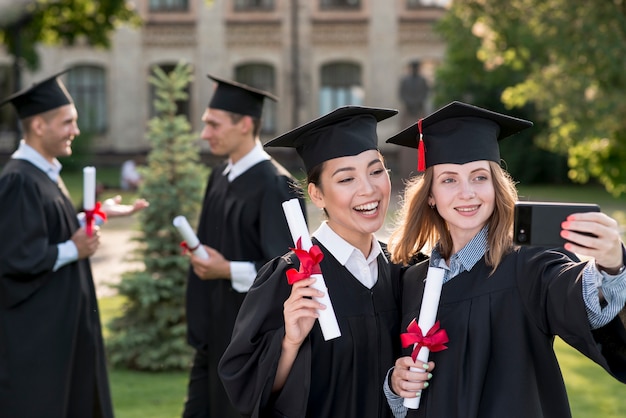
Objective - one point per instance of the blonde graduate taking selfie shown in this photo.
(501, 305)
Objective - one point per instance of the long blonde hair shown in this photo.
(420, 228)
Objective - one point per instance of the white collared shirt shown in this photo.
(255, 156)
(28, 153)
(365, 269)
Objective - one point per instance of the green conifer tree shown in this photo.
(151, 332)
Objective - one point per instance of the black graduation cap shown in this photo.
(459, 133)
(238, 98)
(45, 95)
(348, 130)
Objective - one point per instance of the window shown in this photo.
(169, 5)
(87, 86)
(254, 5)
(340, 4)
(183, 107)
(263, 77)
(7, 114)
(341, 86)
(416, 4)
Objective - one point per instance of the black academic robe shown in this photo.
(341, 377)
(52, 360)
(244, 221)
(500, 360)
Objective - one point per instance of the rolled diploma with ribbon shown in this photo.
(298, 228)
(193, 243)
(427, 318)
(89, 197)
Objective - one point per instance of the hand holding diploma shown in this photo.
(190, 240)
(310, 256)
(434, 338)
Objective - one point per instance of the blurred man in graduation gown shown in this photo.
(242, 226)
(52, 360)
(501, 304)
(279, 363)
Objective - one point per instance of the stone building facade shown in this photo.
(314, 55)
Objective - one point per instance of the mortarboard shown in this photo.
(40, 97)
(238, 98)
(346, 131)
(459, 133)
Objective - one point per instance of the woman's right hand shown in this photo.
(300, 311)
(407, 383)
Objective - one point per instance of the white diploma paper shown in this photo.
(427, 318)
(89, 188)
(299, 230)
(180, 222)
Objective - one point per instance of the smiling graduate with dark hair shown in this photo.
(278, 362)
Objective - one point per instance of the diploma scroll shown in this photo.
(89, 199)
(193, 243)
(427, 318)
(89, 188)
(299, 231)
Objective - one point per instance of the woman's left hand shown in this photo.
(604, 244)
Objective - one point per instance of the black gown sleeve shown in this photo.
(26, 255)
(248, 366)
(558, 308)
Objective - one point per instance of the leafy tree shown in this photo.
(572, 54)
(25, 24)
(465, 76)
(151, 333)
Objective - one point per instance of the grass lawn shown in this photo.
(142, 394)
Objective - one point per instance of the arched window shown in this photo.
(263, 77)
(87, 86)
(168, 5)
(8, 117)
(254, 5)
(341, 85)
(340, 4)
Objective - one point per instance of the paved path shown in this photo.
(113, 258)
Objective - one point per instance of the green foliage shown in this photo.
(465, 76)
(151, 333)
(571, 55)
(53, 22)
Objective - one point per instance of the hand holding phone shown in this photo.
(539, 223)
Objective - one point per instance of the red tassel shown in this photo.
(421, 152)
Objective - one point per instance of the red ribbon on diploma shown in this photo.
(186, 249)
(309, 263)
(434, 339)
(90, 217)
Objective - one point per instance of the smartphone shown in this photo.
(539, 223)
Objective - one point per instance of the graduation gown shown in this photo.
(243, 220)
(500, 360)
(52, 360)
(341, 377)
